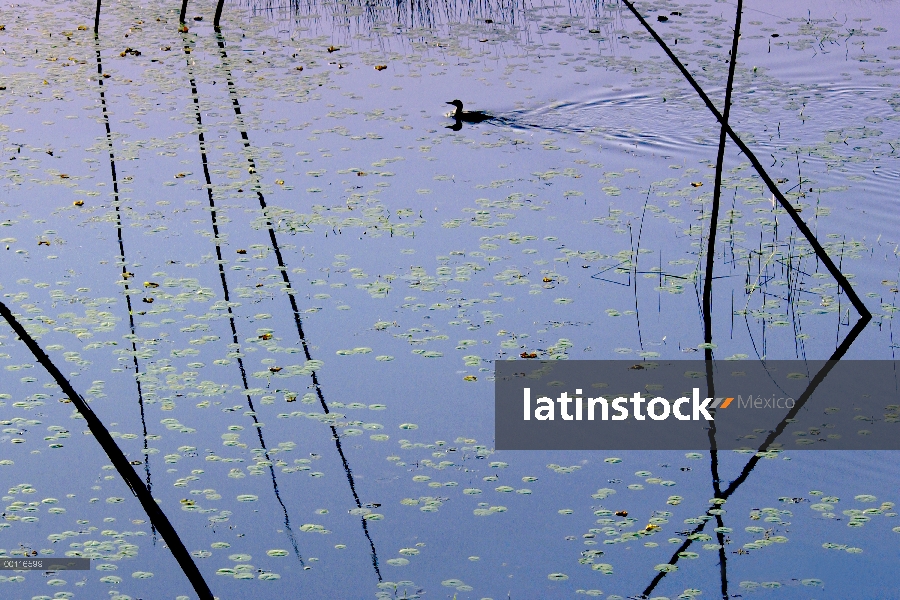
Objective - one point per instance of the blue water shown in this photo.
(570, 227)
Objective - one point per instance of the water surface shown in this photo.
(281, 281)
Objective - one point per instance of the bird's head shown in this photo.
(457, 103)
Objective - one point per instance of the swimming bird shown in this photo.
(469, 116)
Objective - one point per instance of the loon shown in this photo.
(469, 116)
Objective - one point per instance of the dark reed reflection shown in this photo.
(748, 468)
(122, 262)
(117, 457)
(819, 377)
(235, 101)
(707, 297)
(201, 141)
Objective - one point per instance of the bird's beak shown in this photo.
(448, 103)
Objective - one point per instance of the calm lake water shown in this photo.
(281, 279)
